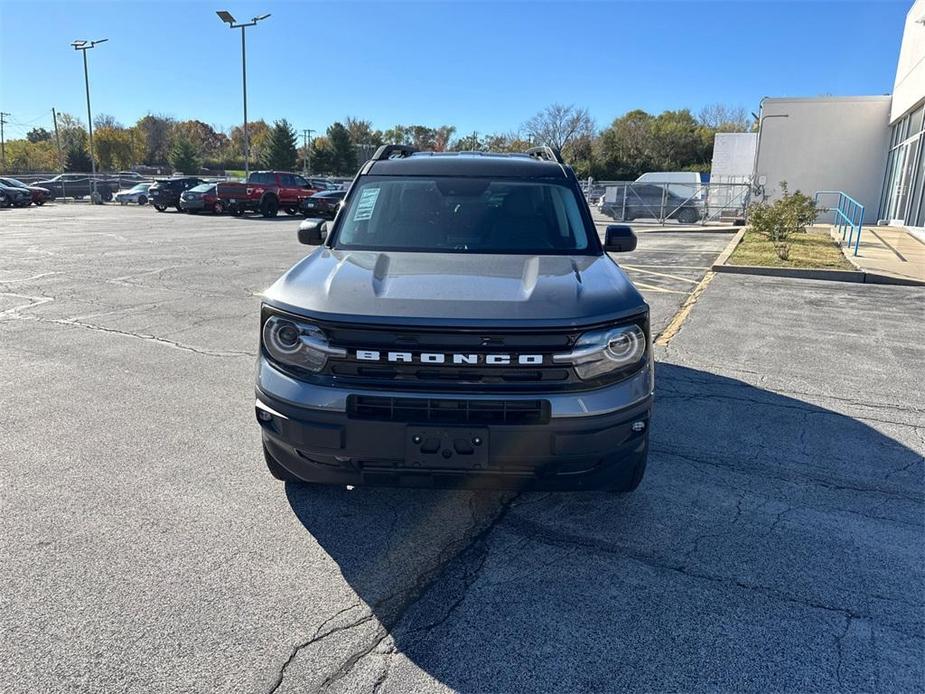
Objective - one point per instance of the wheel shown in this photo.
(237, 211)
(160, 208)
(179, 209)
(277, 470)
(106, 195)
(292, 211)
(688, 215)
(218, 207)
(269, 207)
(39, 202)
(142, 200)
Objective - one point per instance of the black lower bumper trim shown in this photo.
(566, 453)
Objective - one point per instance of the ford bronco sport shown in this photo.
(460, 324)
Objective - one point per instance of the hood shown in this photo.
(456, 288)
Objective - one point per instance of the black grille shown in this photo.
(443, 411)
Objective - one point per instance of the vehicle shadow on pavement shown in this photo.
(774, 544)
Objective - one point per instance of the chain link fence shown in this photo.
(716, 202)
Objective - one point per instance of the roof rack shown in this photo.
(389, 152)
(545, 152)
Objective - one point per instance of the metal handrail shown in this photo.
(849, 215)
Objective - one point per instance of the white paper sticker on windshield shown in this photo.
(366, 204)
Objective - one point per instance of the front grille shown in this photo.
(443, 411)
(351, 371)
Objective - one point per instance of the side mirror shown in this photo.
(619, 238)
(313, 232)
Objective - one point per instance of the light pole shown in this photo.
(85, 46)
(232, 23)
(306, 152)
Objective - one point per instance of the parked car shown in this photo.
(165, 192)
(323, 205)
(137, 194)
(78, 186)
(202, 198)
(266, 192)
(628, 201)
(405, 350)
(38, 195)
(4, 200)
(16, 196)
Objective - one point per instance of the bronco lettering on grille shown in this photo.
(450, 358)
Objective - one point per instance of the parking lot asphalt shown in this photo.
(775, 544)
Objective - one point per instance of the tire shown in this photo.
(142, 200)
(688, 215)
(269, 207)
(106, 195)
(292, 211)
(237, 211)
(160, 208)
(39, 203)
(218, 207)
(179, 209)
(277, 470)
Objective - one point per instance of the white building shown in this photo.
(869, 147)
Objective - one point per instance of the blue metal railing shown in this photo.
(849, 215)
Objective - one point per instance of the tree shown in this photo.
(115, 148)
(557, 125)
(679, 142)
(361, 132)
(155, 134)
(183, 156)
(38, 135)
(104, 120)
(207, 141)
(625, 149)
(72, 132)
(343, 154)
(77, 159)
(257, 133)
(721, 118)
(280, 151)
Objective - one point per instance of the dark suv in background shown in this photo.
(165, 192)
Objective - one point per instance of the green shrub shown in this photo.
(789, 214)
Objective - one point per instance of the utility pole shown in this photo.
(306, 156)
(83, 47)
(232, 23)
(3, 115)
(54, 118)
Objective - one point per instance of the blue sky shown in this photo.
(484, 66)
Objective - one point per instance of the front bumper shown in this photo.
(192, 204)
(590, 442)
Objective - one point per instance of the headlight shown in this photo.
(602, 351)
(296, 343)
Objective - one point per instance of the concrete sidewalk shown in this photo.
(889, 252)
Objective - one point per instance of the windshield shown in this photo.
(202, 188)
(475, 215)
(141, 187)
(13, 183)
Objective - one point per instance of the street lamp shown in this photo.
(85, 46)
(232, 23)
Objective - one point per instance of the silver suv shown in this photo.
(459, 324)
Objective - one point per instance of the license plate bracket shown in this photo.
(446, 447)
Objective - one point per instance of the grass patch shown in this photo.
(814, 249)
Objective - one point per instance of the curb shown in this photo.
(857, 275)
(802, 273)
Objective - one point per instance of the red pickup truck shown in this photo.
(266, 192)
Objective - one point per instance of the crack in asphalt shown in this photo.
(140, 336)
(718, 462)
(546, 534)
(388, 614)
